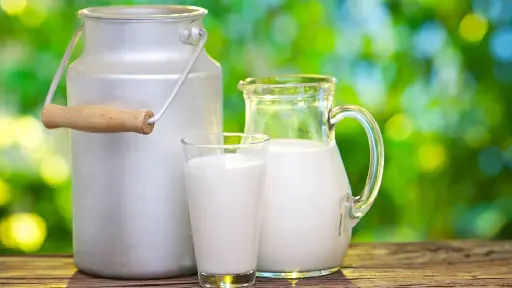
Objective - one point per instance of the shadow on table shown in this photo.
(337, 279)
(82, 280)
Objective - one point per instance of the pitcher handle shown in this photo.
(358, 206)
(103, 119)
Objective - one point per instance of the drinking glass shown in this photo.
(225, 176)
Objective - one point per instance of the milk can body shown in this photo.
(130, 211)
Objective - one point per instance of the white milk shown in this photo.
(306, 190)
(224, 194)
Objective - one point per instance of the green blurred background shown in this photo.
(437, 75)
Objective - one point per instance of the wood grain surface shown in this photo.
(441, 264)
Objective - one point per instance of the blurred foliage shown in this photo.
(437, 77)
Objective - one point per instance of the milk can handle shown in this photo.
(358, 206)
(104, 119)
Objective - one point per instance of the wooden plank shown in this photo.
(442, 264)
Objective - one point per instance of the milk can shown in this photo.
(130, 211)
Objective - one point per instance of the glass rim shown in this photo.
(135, 12)
(263, 139)
(317, 80)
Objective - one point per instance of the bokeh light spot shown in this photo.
(284, 28)
(507, 156)
(399, 127)
(14, 53)
(476, 137)
(42, 150)
(234, 29)
(5, 193)
(501, 43)
(7, 136)
(429, 39)
(473, 27)
(6, 235)
(25, 231)
(490, 161)
(489, 8)
(431, 156)
(489, 223)
(13, 7)
(54, 170)
(370, 85)
(28, 132)
(32, 16)
(415, 99)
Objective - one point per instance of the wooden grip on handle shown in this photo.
(97, 119)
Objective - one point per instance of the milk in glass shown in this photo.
(224, 194)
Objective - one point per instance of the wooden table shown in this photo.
(443, 264)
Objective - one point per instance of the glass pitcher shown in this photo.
(309, 210)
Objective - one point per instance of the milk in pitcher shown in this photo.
(308, 211)
(305, 194)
